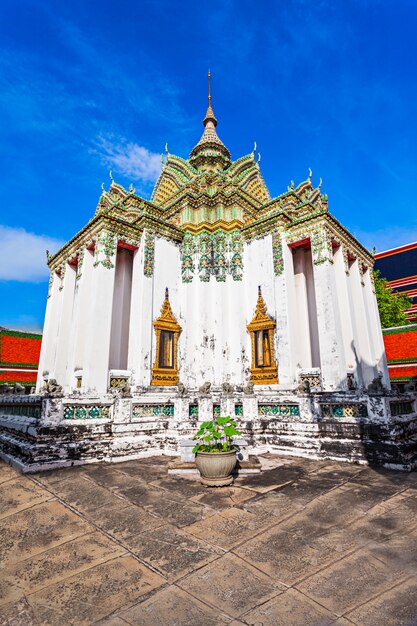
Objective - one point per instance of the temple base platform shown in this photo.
(41, 432)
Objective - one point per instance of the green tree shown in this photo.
(392, 305)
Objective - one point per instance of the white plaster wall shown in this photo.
(214, 344)
(376, 330)
(344, 308)
(332, 355)
(81, 317)
(98, 319)
(303, 345)
(140, 324)
(365, 357)
(65, 324)
(287, 324)
(50, 332)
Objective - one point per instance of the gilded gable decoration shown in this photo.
(167, 331)
(264, 367)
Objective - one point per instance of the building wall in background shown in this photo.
(401, 348)
(19, 357)
(399, 267)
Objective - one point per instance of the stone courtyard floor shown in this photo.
(303, 543)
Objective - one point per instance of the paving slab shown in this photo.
(396, 607)
(84, 495)
(179, 513)
(346, 503)
(17, 494)
(231, 585)
(123, 521)
(273, 479)
(8, 473)
(229, 528)
(181, 486)
(18, 613)
(117, 544)
(274, 504)
(224, 498)
(95, 593)
(173, 605)
(282, 555)
(290, 608)
(37, 529)
(56, 564)
(398, 552)
(171, 551)
(348, 583)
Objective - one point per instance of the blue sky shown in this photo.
(90, 86)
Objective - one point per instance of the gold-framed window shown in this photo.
(264, 369)
(167, 331)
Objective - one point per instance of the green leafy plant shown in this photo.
(216, 436)
(392, 305)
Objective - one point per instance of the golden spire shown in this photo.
(210, 114)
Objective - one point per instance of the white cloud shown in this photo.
(22, 254)
(131, 160)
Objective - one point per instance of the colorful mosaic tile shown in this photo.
(193, 410)
(277, 253)
(149, 252)
(284, 410)
(344, 410)
(105, 249)
(76, 411)
(215, 254)
(239, 410)
(152, 410)
(216, 410)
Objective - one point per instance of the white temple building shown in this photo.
(211, 297)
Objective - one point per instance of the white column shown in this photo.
(121, 311)
(82, 316)
(140, 324)
(363, 343)
(332, 355)
(65, 323)
(286, 309)
(50, 331)
(304, 357)
(344, 309)
(375, 330)
(96, 368)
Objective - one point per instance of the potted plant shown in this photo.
(215, 454)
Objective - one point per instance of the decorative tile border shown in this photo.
(212, 254)
(152, 410)
(284, 410)
(149, 252)
(404, 407)
(88, 411)
(26, 410)
(344, 410)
